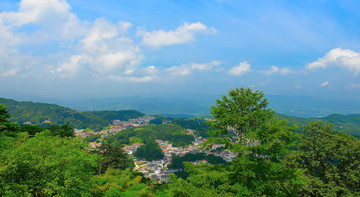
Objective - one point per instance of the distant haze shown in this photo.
(193, 104)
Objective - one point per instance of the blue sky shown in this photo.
(113, 48)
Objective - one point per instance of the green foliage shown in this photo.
(245, 124)
(62, 130)
(178, 162)
(156, 121)
(113, 157)
(348, 123)
(37, 113)
(150, 151)
(243, 111)
(92, 138)
(31, 129)
(116, 182)
(135, 140)
(331, 160)
(204, 181)
(199, 125)
(168, 132)
(6, 127)
(46, 165)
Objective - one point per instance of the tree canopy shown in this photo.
(46, 165)
(245, 125)
(150, 151)
(331, 160)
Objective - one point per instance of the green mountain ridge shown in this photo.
(36, 113)
(348, 123)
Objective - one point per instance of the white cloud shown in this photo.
(187, 69)
(325, 83)
(104, 50)
(132, 79)
(10, 72)
(343, 58)
(275, 69)
(240, 69)
(52, 16)
(355, 85)
(183, 34)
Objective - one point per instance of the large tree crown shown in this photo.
(241, 108)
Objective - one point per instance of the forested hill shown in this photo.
(37, 113)
(348, 123)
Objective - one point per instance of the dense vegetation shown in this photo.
(348, 123)
(149, 151)
(168, 132)
(272, 159)
(37, 113)
(178, 162)
(52, 163)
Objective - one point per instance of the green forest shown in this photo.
(273, 158)
(37, 113)
(167, 132)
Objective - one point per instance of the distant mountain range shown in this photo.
(197, 104)
(39, 112)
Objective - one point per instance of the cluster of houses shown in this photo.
(156, 169)
(117, 126)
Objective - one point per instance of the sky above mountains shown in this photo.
(112, 48)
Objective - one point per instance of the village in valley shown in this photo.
(156, 169)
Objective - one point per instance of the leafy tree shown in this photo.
(46, 165)
(113, 157)
(93, 138)
(245, 125)
(31, 129)
(156, 121)
(177, 162)
(62, 130)
(150, 151)
(168, 132)
(116, 182)
(6, 127)
(331, 160)
(243, 110)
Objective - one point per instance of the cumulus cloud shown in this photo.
(97, 48)
(282, 71)
(188, 69)
(325, 83)
(343, 58)
(240, 69)
(100, 48)
(183, 34)
(104, 50)
(53, 17)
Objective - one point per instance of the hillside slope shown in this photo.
(347, 123)
(37, 113)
